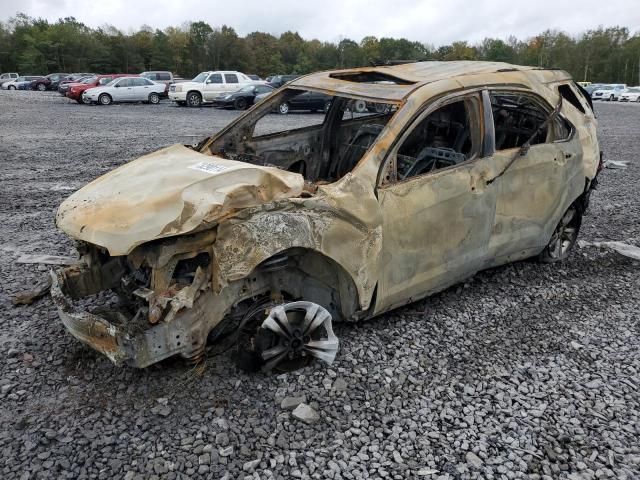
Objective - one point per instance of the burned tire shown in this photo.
(105, 99)
(194, 99)
(286, 338)
(154, 98)
(564, 237)
(240, 103)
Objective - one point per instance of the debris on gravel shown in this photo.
(305, 413)
(527, 371)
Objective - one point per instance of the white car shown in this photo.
(206, 86)
(125, 89)
(609, 92)
(7, 77)
(630, 95)
(13, 84)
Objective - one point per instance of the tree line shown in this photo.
(36, 46)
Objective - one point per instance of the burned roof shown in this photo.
(395, 82)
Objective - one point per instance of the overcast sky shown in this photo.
(434, 22)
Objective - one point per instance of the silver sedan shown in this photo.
(125, 89)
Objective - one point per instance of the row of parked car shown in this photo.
(613, 92)
(222, 89)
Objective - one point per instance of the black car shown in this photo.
(312, 101)
(243, 98)
(278, 80)
(50, 82)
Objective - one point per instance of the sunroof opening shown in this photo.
(370, 77)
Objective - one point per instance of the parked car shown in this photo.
(262, 96)
(76, 89)
(64, 85)
(125, 89)
(163, 77)
(278, 80)
(13, 84)
(593, 87)
(49, 82)
(26, 85)
(630, 95)
(206, 86)
(7, 77)
(259, 241)
(243, 98)
(608, 92)
(255, 77)
(309, 101)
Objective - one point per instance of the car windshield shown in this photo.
(606, 88)
(201, 77)
(111, 83)
(90, 80)
(248, 88)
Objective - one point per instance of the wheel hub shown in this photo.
(293, 333)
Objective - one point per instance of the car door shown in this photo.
(122, 90)
(213, 86)
(231, 82)
(533, 192)
(436, 211)
(141, 88)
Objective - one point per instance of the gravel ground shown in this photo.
(526, 371)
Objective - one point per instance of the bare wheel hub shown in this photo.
(295, 332)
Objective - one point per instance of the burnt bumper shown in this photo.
(116, 341)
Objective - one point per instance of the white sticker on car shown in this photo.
(209, 167)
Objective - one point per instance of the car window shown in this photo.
(140, 82)
(214, 78)
(126, 82)
(567, 94)
(517, 117)
(444, 138)
(230, 78)
(163, 76)
(263, 89)
(105, 80)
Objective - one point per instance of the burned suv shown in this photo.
(259, 239)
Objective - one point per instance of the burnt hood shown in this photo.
(169, 192)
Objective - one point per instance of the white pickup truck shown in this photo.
(208, 85)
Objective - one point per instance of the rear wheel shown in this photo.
(41, 87)
(611, 98)
(105, 99)
(154, 98)
(564, 237)
(283, 108)
(11, 87)
(194, 99)
(240, 103)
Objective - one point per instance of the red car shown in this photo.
(76, 89)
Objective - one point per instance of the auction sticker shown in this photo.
(209, 167)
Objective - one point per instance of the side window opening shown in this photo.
(516, 118)
(444, 138)
(568, 95)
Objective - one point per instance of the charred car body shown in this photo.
(263, 239)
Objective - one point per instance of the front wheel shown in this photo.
(564, 237)
(283, 108)
(104, 99)
(287, 339)
(194, 99)
(154, 98)
(41, 87)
